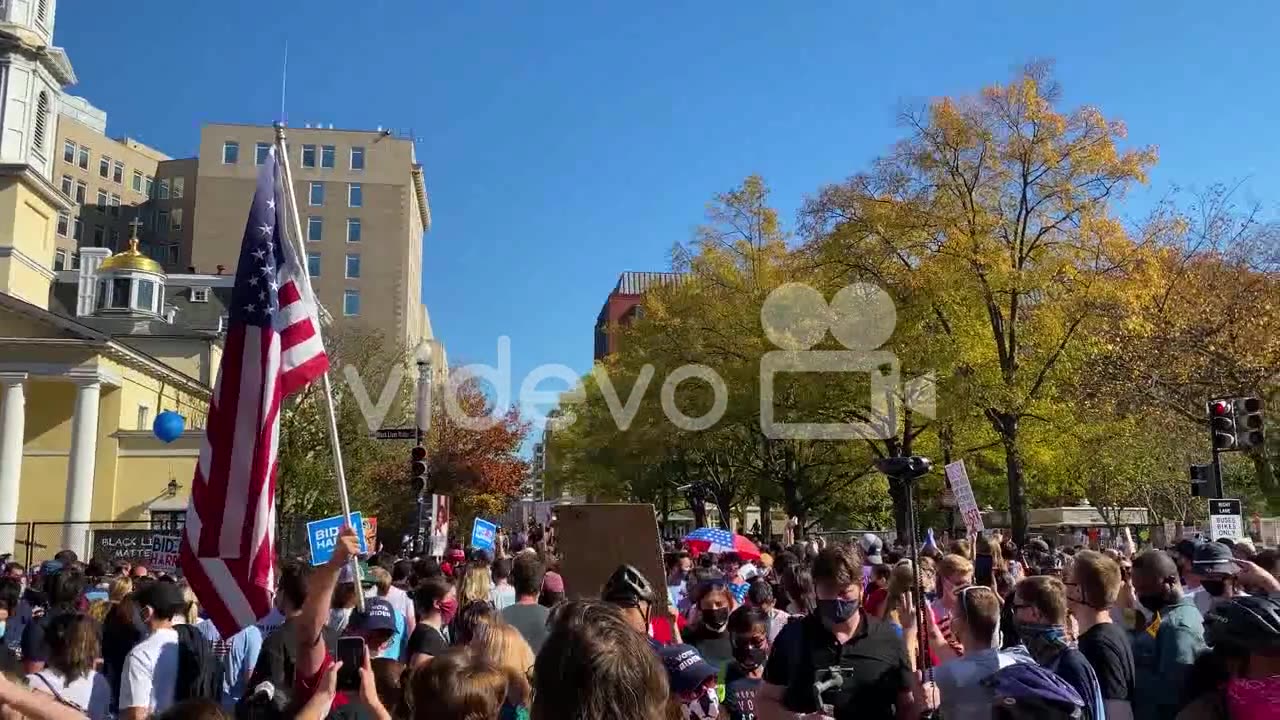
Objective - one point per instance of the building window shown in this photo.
(68, 151)
(82, 190)
(104, 166)
(355, 195)
(77, 229)
(150, 185)
(351, 302)
(230, 153)
(117, 172)
(162, 220)
(102, 201)
(353, 229)
(200, 294)
(172, 254)
(75, 260)
(357, 158)
(99, 236)
(164, 190)
(315, 229)
(42, 11)
(119, 294)
(67, 186)
(114, 239)
(177, 220)
(84, 158)
(308, 156)
(313, 264)
(60, 260)
(317, 194)
(64, 223)
(115, 205)
(168, 520)
(353, 267)
(137, 181)
(327, 153)
(179, 187)
(42, 123)
(146, 296)
(144, 417)
(260, 152)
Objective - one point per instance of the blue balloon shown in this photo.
(168, 426)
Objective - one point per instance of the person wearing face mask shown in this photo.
(1217, 569)
(1240, 678)
(748, 630)
(1093, 584)
(837, 639)
(692, 681)
(1166, 649)
(1040, 614)
(435, 603)
(709, 631)
(976, 621)
(678, 568)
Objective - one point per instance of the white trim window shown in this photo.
(357, 158)
(355, 195)
(230, 152)
(351, 303)
(199, 294)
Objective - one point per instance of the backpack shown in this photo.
(199, 669)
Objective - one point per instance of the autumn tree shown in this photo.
(1011, 204)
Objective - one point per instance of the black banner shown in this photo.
(112, 546)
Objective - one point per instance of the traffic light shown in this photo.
(1222, 424)
(1248, 423)
(418, 469)
(1202, 484)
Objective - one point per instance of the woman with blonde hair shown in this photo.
(504, 646)
(475, 585)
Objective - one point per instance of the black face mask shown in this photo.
(837, 611)
(750, 657)
(1216, 588)
(1153, 601)
(715, 619)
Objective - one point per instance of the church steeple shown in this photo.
(34, 71)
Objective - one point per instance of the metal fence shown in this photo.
(39, 540)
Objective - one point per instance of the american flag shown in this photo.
(272, 350)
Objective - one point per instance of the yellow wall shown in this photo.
(150, 479)
(190, 356)
(27, 224)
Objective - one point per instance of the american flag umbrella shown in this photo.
(721, 541)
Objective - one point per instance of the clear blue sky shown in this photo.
(567, 141)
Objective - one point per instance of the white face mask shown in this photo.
(704, 707)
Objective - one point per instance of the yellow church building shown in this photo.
(82, 380)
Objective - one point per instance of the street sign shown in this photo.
(400, 433)
(483, 534)
(322, 536)
(1225, 520)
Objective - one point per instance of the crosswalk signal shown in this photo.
(1248, 412)
(418, 469)
(1222, 424)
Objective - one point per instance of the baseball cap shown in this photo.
(50, 567)
(871, 547)
(1214, 557)
(378, 615)
(457, 555)
(1186, 547)
(686, 670)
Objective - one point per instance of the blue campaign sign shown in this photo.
(322, 536)
(483, 535)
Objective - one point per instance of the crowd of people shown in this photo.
(979, 628)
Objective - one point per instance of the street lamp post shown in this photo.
(423, 423)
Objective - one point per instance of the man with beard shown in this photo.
(1163, 652)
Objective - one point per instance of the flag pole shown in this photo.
(295, 237)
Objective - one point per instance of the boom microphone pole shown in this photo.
(906, 471)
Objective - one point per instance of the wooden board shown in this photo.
(595, 539)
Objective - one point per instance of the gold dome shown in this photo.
(131, 259)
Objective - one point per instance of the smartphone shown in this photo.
(351, 650)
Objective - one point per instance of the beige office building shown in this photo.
(363, 207)
(361, 197)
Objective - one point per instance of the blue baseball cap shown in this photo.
(378, 615)
(686, 670)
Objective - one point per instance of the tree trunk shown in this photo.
(766, 517)
(1008, 427)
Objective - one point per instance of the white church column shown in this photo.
(84, 450)
(13, 403)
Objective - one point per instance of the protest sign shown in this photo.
(439, 531)
(117, 546)
(371, 533)
(598, 538)
(483, 534)
(322, 537)
(966, 503)
(164, 552)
